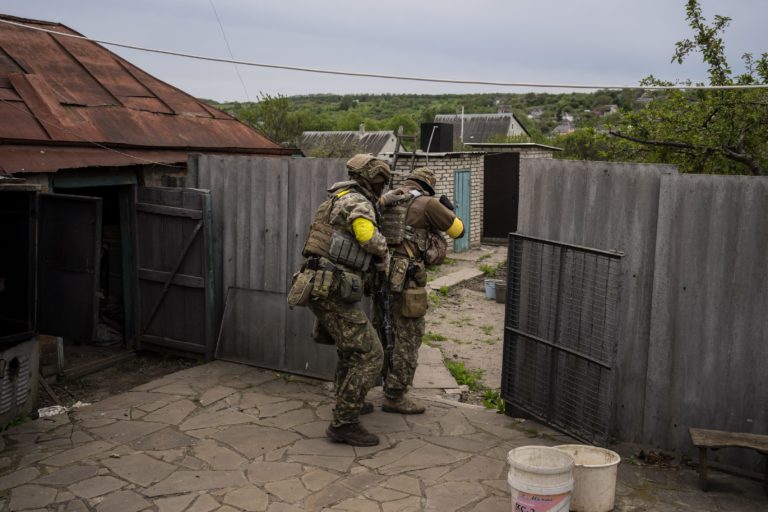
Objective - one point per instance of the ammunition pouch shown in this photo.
(322, 284)
(418, 274)
(350, 287)
(398, 273)
(345, 250)
(319, 240)
(413, 303)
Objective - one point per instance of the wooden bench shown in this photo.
(704, 439)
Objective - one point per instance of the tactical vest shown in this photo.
(334, 242)
(394, 226)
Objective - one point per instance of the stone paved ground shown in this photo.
(226, 437)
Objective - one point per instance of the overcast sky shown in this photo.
(613, 42)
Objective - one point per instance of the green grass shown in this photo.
(487, 329)
(487, 269)
(435, 299)
(492, 400)
(488, 341)
(443, 291)
(432, 336)
(483, 257)
(464, 376)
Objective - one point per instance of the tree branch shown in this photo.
(731, 154)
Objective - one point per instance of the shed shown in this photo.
(99, 135)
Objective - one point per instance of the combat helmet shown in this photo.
(369, 167)
(424, 175)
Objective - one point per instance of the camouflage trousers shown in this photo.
(359, 350)
(405, 354)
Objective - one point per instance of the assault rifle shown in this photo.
(386, 329)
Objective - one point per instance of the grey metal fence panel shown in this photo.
(607, 206)
(560, 335)
(262, 210)
(709, 325)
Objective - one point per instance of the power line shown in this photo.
(102, 146)
(229, 49)
(389, 77)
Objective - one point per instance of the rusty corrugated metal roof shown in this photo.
(58, 92)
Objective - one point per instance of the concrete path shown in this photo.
(227, 437)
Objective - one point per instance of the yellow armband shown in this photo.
(363, 229)
(456, 229)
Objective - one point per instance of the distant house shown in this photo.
(360, 141)
(566, 117)
(563, 129)
(535, 113)
(477, 128)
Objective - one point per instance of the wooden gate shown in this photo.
(174, 270)
(462, 194)
(263, 207)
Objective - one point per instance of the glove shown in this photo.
(392, 197)
(447, 202)
(382, 264)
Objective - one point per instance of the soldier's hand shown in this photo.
(392, 197)
(382, 264)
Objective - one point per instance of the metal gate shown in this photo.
(174, 270)
(560, 335)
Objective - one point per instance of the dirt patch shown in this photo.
(117, 379)
(467, 327)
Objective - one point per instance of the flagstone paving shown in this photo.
(226, 437)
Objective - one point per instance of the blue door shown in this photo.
(462, 195)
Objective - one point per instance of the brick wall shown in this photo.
(445, 165)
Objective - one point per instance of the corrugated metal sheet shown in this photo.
(365, 142)
(56, 90)
(482, 127)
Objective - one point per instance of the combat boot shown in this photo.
(353, 434)
(367, 408)
(402, 405)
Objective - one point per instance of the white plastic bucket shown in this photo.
(490, 289)
(540, 479)
(594, 475)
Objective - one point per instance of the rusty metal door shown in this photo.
(174, 271)
(69, 250)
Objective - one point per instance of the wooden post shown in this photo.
(703, 467)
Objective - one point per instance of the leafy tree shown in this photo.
(274, 118)
(710, 131)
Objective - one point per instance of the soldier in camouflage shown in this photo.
(409, 213)
(343, 248)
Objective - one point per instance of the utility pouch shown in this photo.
(398, 272)
(320, 334)
(350, 287)
(322, 284)
(418, 273)
(345, 250)
(301, 289)
(414, 302)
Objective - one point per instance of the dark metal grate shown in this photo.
(560, 334)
